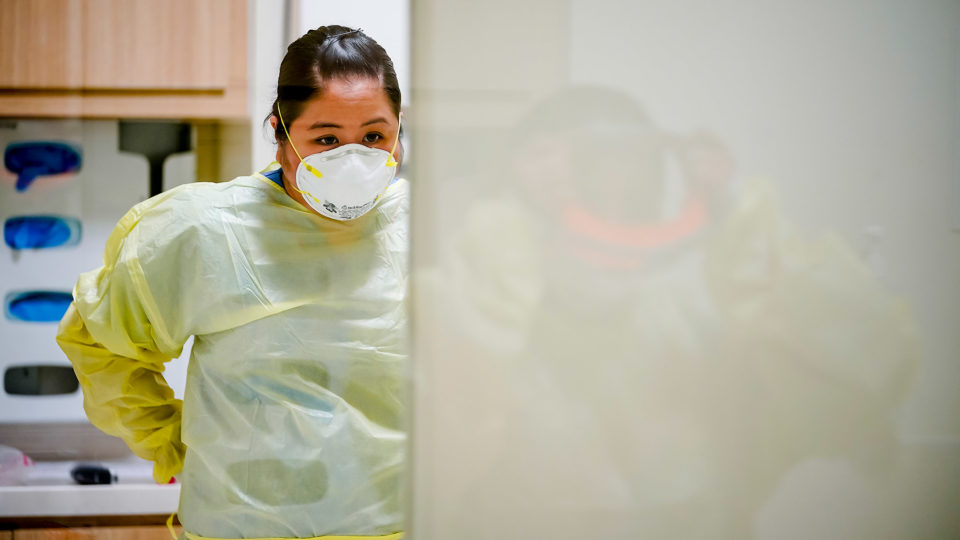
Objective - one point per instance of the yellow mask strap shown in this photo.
(290, 140)
(391, 162)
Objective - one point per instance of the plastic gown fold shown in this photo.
(291, 425)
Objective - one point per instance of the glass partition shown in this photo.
(685, 270)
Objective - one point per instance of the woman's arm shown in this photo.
(115, 336)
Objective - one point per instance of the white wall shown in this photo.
(386, 21)
(274, 24)
(267, 44)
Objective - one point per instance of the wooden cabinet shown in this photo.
(173, 44)
(122, 527)
(149, 532)
(123, 58)
(39, 44)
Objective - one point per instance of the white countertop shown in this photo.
(48, 490)
(104, 500)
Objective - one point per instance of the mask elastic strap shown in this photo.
(305, 164)
(290, 140)
(391, 162)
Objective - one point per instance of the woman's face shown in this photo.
(346, 111)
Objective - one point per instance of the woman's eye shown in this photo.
(327, 141)
(372, 138)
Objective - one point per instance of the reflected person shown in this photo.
(661, 344)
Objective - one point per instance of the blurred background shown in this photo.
(679, 270)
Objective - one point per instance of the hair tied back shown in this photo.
(358, 31)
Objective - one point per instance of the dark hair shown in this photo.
(326, 53)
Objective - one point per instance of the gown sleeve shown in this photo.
(116, 336)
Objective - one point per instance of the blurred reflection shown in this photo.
(650, 344)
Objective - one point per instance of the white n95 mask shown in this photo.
(345, 182)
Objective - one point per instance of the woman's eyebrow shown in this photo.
(323, 125)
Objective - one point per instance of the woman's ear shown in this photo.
(273, 124)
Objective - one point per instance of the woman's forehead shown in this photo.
(348, 102)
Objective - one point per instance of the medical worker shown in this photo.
(293, 283)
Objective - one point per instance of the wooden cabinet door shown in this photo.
(123, 58)
(151, 532)
(41, 44)
(158, 45)
(118, 44)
